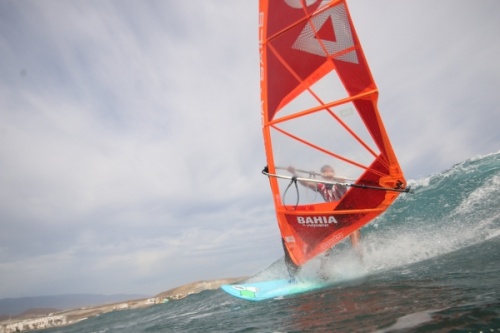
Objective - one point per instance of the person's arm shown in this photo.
(311, 185)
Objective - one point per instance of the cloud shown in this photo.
(98, 259)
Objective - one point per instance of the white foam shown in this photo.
(409, 321)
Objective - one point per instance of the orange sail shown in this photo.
(319, 108)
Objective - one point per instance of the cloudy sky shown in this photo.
(130, 140)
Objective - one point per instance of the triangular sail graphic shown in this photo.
(319, 107)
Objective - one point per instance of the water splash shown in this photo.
(448, 211)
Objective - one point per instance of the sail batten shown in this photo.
(340, 157)
(319, 108)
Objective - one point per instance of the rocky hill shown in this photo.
(196, 287)
(30, 306)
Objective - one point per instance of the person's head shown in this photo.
(327, 172)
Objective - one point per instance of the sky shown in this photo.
(130, 131)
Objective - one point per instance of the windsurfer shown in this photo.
(329, 192)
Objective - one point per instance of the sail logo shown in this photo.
(305, 208)
(337, 238)
(328, 34)
(261, 60)
(316, 221)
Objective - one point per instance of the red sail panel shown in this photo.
(319, 107)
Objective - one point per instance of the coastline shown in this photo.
(27, 322)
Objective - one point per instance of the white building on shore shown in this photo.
(32, 324)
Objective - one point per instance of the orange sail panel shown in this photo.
(319, 108)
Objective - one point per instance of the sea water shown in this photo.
(431, 263)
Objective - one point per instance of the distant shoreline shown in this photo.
(50, 318)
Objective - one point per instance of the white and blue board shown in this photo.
(259, 291)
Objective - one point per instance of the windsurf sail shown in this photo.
(319, 107)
